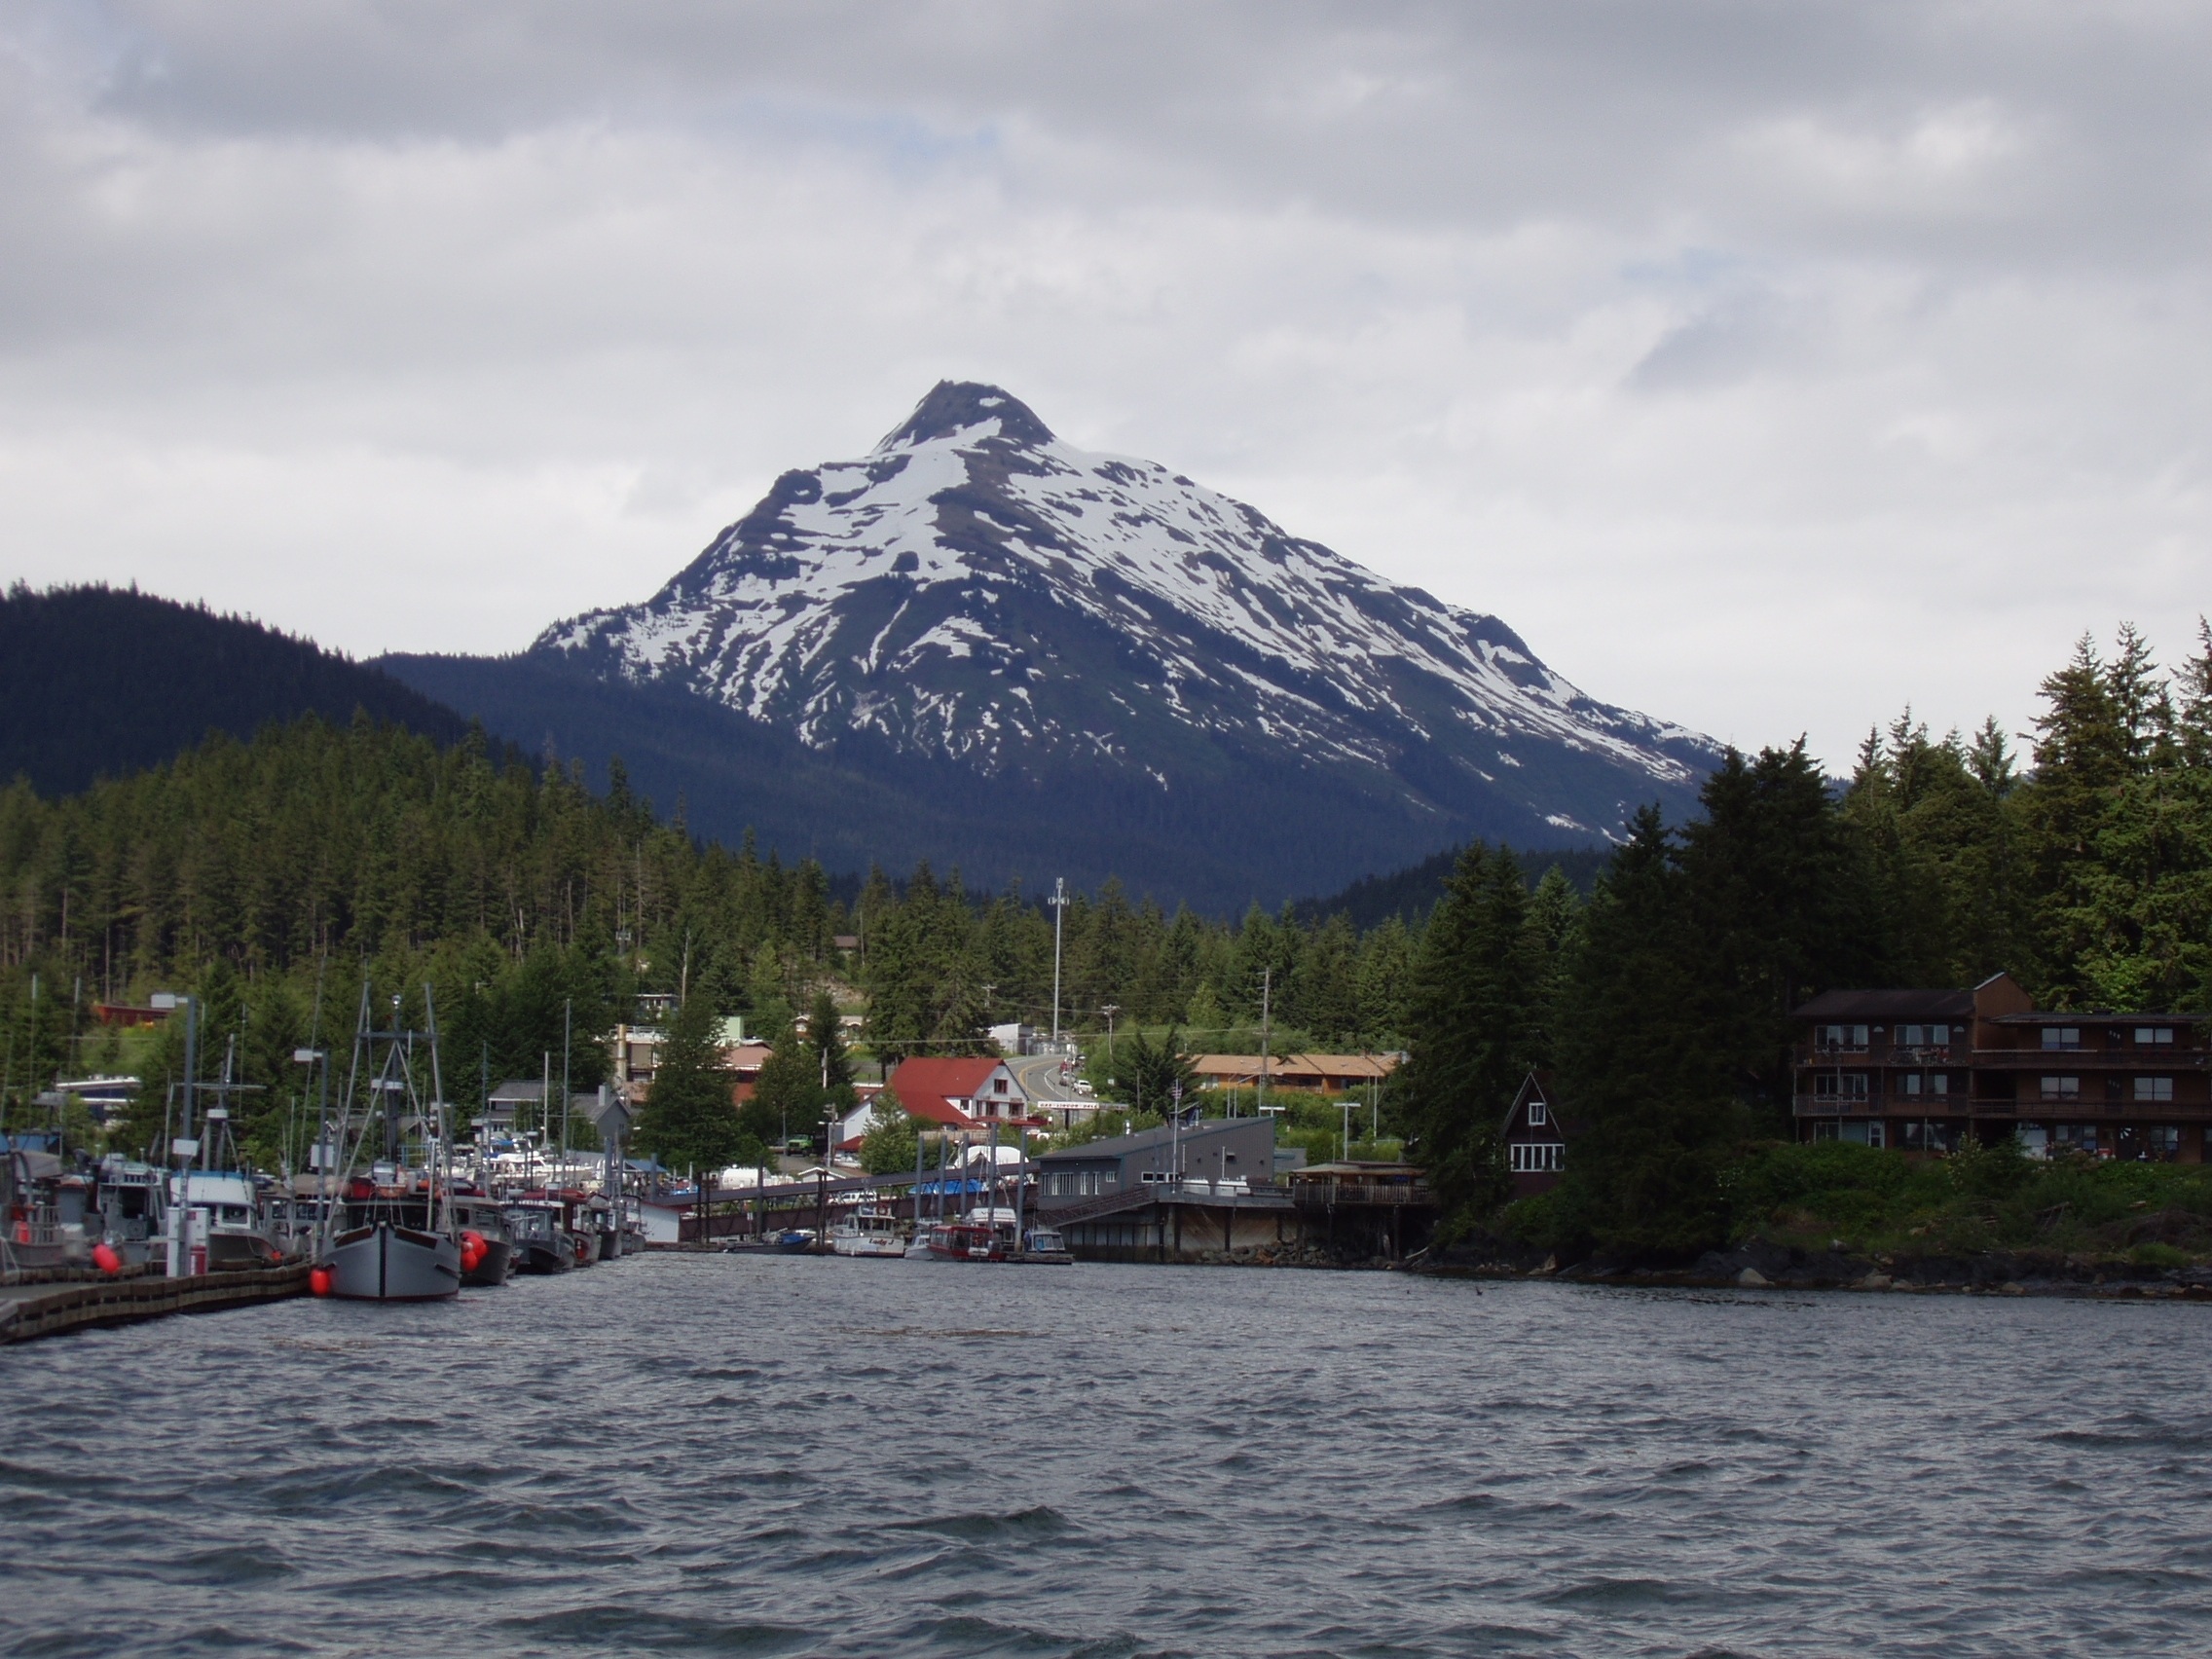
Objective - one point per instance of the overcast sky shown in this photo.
(1769, 367)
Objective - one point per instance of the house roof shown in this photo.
(1115, 1146)
(1540, 1084)
(1295, 1065)
(1887, 1004)
(928, 1085)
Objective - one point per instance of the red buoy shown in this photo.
(318, 1281)
(105, 1258)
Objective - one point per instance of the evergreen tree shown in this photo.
(690, 1120)
(1149, 1076)
(1473, 1031)
(892, 1138)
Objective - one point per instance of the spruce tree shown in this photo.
(690, 1119)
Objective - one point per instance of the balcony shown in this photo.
(2086, 1105)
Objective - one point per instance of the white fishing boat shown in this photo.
(866, 1232)
(394, 1235)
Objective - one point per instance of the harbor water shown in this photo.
(761, 1455)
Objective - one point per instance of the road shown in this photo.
(1039, 1076)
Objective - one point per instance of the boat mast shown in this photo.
(438, 1109)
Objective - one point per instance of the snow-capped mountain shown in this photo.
(976, 593)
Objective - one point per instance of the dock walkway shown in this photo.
(80, 1302)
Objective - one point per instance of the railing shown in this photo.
(1321, 1194)
(1971, 1106)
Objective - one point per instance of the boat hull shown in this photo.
(498, 1263)
(537, 1257)
(387, 1263)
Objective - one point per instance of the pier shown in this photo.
(87, 1297)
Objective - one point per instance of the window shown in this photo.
(2153, 1036)
(1840, 1085)
(1861, 1134)
(1537, 1158)
(1536, 1113)
(1840, 1037)
(1924, 1036)
(1936, 1083)
(1075, 1183)
(2162, 1143)
(2062, 1036)
(2062, 1088)
(2154, 1088)
(1931, 1137)
(2076, 1137)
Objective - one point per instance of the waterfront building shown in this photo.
(1168, 1193)
(1919, 1070)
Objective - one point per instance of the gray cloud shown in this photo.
(1767, 366)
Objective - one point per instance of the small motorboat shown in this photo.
(796, 1241)
(866, 1232)
(1044, 1245)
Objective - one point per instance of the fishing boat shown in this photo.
(486, 1220)
(217, 1217)
(393, 1244)
(133, 1214)
(538, 1242)
(963, 1242)
(392, 1235)
(866, 1233)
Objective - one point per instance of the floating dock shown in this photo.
(87, 1297)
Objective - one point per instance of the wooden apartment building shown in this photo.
(1920, 1070)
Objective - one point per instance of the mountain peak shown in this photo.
(953, 407)
(979, 592)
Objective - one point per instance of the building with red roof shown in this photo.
(960, 1094)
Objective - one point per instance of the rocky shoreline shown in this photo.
(1763, 1265)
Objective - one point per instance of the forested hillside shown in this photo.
(270, 876)
(99, 682)
(1662, 1003)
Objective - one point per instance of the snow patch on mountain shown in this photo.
(926, 592)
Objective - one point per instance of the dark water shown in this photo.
(781, 1456)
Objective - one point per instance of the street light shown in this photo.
(1059, 903)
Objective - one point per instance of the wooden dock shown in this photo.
(87, 1297)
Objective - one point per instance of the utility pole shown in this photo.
(1059, 903)
(1267, 988)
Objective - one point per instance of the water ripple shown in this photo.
(781, 1456)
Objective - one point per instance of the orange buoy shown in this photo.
(318, 1281)
(105, 1258)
